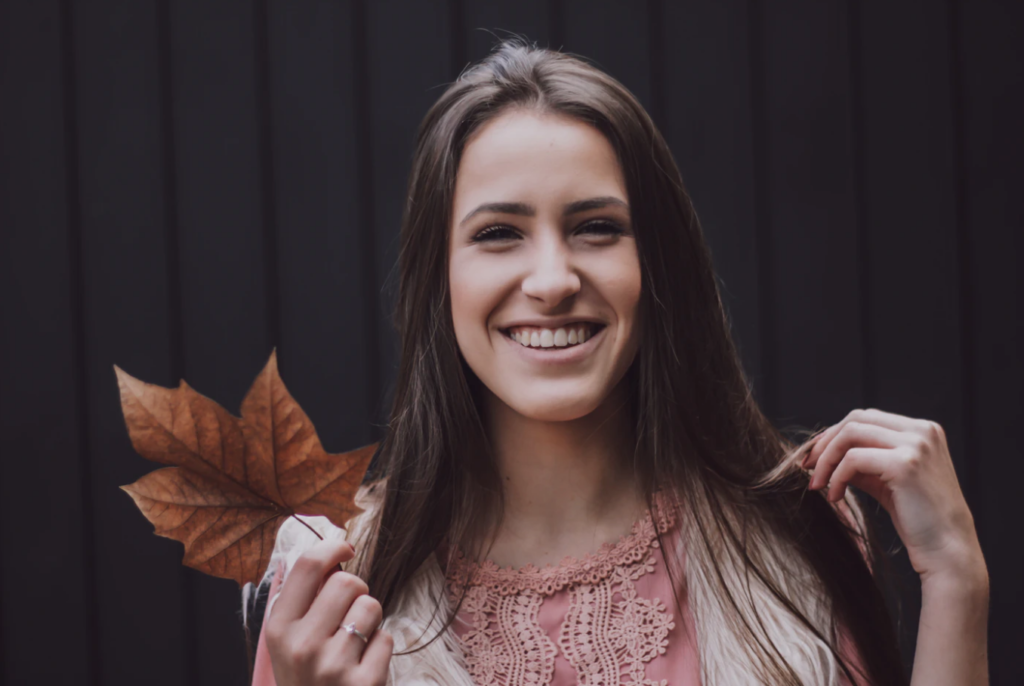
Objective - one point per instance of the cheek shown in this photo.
(620, 284)
(472, 297)
(630, 287)
(621, 288)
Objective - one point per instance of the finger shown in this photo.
(819, 443)
(896, 422)
(339, 592)
(853, 434)
(857, 462)
(306, 575)
(379, 649)
(888, 420)
(366, 614)
(377, 657)
(827, 439)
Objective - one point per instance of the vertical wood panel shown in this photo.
(46, 544)
(910, 215)
(319, 224)
(989, 40)
(813, 345)
(709, 126)
(403, 84)
(127, 322)
(614, 35)
(908, 223)
(220, 224)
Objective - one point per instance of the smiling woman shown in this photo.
(576, 484)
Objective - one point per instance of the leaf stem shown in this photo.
(315, 533)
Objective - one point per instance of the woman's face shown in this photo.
(544, 272)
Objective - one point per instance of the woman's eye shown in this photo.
(603, 228)
(500, 232)
(494, 233)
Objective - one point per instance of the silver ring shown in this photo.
(351, 628)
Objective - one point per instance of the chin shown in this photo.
(556, 409)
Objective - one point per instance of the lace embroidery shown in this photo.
(490, 645)
(635, 630)
(608, 635)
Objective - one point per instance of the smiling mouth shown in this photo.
(553, 339)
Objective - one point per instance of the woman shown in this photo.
(576, 485)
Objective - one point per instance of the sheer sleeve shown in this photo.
(262, 670)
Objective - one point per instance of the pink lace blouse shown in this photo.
(608, 618)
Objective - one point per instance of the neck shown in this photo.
(568, 485)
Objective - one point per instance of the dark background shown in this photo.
(187, 184)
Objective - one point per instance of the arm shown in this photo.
(905, 465)
(952, 639)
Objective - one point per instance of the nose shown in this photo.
(553, 277)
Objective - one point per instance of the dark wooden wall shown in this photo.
(186, 184)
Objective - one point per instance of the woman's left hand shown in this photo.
(905, 465)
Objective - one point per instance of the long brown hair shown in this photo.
(698, 429)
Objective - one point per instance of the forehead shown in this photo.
(524, 154)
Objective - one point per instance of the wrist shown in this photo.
(958, 558)
(966, 575)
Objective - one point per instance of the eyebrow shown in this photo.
(524, 210)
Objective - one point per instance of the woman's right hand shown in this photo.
(306, 643)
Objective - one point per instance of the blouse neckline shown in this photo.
(591, 568)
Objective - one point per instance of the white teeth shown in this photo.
(558, 338)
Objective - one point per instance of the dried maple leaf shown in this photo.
(234, 480)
